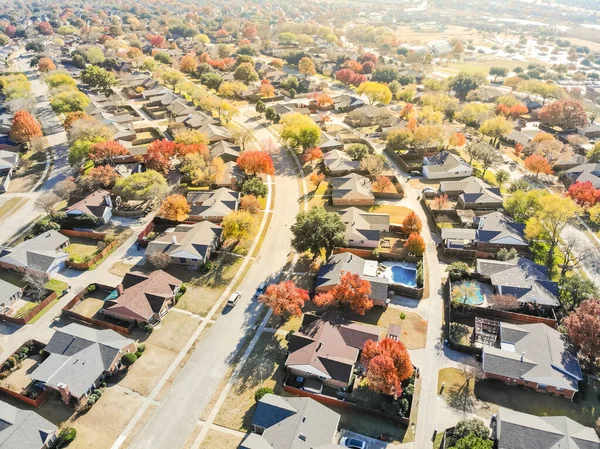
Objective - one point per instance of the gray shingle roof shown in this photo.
(37, 253)
(338, 161)
(473, 190)
(362, 225)
(444, 161)
(352, 186)
(190, 240)
(23, 429)
(7, 291)
(217, 203)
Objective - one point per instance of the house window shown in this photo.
(182, 260)
(542, 386)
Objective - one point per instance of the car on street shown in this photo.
(353, 443)
(233, 299)
(415, 173)
(261, 288)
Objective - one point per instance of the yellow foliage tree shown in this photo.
(375, 92)
(174, 207)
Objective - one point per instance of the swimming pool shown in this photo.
(401, 273)
(468, 293)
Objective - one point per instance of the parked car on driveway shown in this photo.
(233, 299)
(429, 191)
(353, 443)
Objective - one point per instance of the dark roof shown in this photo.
(23, 429)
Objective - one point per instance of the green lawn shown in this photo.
(81, 249)
(484, 66)
(57, 286)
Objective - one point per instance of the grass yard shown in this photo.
(9, 206)
(89, 307)
(81, 248)
(56, 286)
(215, 439)
(484, 66)
(263, 368)
(121, 268)
(397, 213)
(204, 289)
(43, 312)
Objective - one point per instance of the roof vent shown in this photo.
(302, 436)
(174, 240)
(522, 355)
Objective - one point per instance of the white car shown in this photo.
(353, 443)
(233, 299)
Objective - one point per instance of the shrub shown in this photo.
(261, 392)
(254, 186)
(12, 361)
(92, 398)
(65, 437)
(44, 226)
(97, 392)
(457, 270)
(91, 287)
(419, 279)
(128, 359)
(138, 354)
(182, 289)
(141, 347)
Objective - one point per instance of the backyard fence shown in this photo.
(33, 312)
(86, 234)
(87, 264)
(33, 402)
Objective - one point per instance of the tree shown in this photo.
(72, 117)
(232, 88)
(284, 298)
(45, 28)
(260, 107)
(352, 291)
(426, 136)
(537, 164)
(46, 65)
(266, 89)
(488, 156)
(201, 171)
(95, 55)
(69, 101)
(574, 290)
(496, 128)
(583, 328)
(254, 186)
(317, 179)
(503, 302)
(312, 154)
(141, 186)
(103, 176)
(107, 152)
(191, 137)
(158, 260)
(318, 229)
(457, 270)
(373, 164)
(128, 359)
(35, 283)
(412, 224)
(502, 176)
(174, 207)
(256, 162)
(381, 183)
(522, 205)
(188, 64)
(457, 140)
(47, 202)
(472, 426)
(464, 83)
(250, 204)
(440, 201)
(388, 365)
(65, 188)
(415, 244)
(375, 92)
(548, 223)
(568, 114)
(307, 67)
(498, 72)
(584, 193)
(245, 72)
(97, 77)
(24, 127)
(401, 139)
(594, 154)
(300, 130)
(271, 115)
(238, 225)
(473, 442)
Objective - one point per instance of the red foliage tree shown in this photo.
(222, 33)
(204, 57)
(357, 79)
(157, 41)
(352, 290)
(45, 28)
(415, 244)
(412, 224)
(103, 176)
(367, 57)
(583, 328)
(316, 179)
(284, 298)
(567, 114)
(344, 75)
(407, 110)
(10, 31)
(457, 140)
(537, 164)
(159, 154)
(381, 183)
(353, 65)
(107, 152)
(24, 127)
(249, 31)
(255, 162)
(182, 149)
(518, 149)
(502, 109)
(312, 154)
(517, 110)
(584, 193)
(388, 365)
(368, 67)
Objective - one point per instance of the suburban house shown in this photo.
(24, 429)
(534, 356)
(328, 142)
(80, 358)
(591, 131)
(9, 160)
(516, 430)
(441, 47)
(445, 165)
(212, 206)
(326, 349)
(363, 229)
(9, 293)
(41, 254)
(225, 150)
(582, 173)
(489, 233)
(473, 193)
(565, 162)
(193, 120)
(98, 204)
(144, 298)
(521, 278)
(188, 244)
(330, 273)
(339, 163)
(232, 175)
(292, 423)
(216, 133)
(352, 190)
(347, 103)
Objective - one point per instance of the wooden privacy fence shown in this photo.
(32, 313)
(89, 263)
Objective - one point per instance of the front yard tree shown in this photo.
(537, 165)
(254, 186)
(238, 225)
(388, 365)
(415, 244)
(574, 290)
(300, 130)
(583, 328)
(496, 128)
(103, 176)
(142, 186)
(97, 77)
(245, 73)
(243, 136)
(473, 442)
(352, 291)
(457, 140)
(464, 83)
(188, 64)
(373, 164)
(306, 67)
(158, 260)
(260, 107)
(45, 65)
(107, 152)
(375, 92)
(284, 298)
(568, 114)
(584, 193)
(318, 229)
(35, 283)
(174, 207)
(271, 115)
(24, 127)
(488, 156)
(502, 176)
(256, 162)
(47, 203)
(471, 426)
(412, 224)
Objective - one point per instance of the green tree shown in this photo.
(522, 205)
(502, 176)
(318, 229)
(69, 101)
(254, 186)
(574, 290)
(95, 55)
(498, 71)
(488, 156)
(142, 186)
(473, 442)
(496, 128)
(471, 426)
(97, 77)
(464, 83)
(300, 130)
(375, 92)
(245, 72)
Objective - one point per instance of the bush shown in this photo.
(261, 392)
(183, 288)
(419, 278)
(92, 398)
(471, 426)
(97, 392)
(23, 351)
(138, 354)
(128, 359)
(141, 347)
(206, 267)
(254, 186)
(91, 287)
(12, 361)
(45, 225)
(65, 437)
(457, 270)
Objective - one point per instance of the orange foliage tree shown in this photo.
(250, 204)
(159, 154)
(107, 152)
(381, 183)
(537, 164)
(518, 149)
(188, 64)
(103, 176)
(72, 117)
(407, 110)
(415, 244)
(388, 365)
(312, 154)
(284, 298)
(412, 224)
(266, 89)
(322, 100)
(46, 65)
(24, 127)
(255, 162)
(316, 179)
(352, 291)
(457, 140)
(174, 207)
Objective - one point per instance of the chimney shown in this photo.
(174, 240)
(522, 355)
(63, 389)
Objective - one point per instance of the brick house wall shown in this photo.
(534, 386)
(353, 202)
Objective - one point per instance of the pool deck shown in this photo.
(406, 265)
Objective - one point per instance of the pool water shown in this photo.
(478, 295)
(403, 275)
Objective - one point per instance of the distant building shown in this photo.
(445, 165)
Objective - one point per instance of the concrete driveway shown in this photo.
(372, 443)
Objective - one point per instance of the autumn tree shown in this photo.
(256, 162)
(103, 176)
(312, 154)
(415, 244)
(188, 64)
(568, 114)
(583, 328)
(46, 65)
(306, 67)
(381, 183)
(266, 89)
(440, 201)
(412, 224)
(316, 179)
(352, 291)
(107, 152)
(457, 140)
(584, 193)
(284, 298)
(299, 130)
(24, 127)
(537, 164)
(375, 92)
(496, 128)
(238, 225)
(174, 207)
(47, 202)
(191, 137)
(148, 185)
(318, 229)
(388, 365)
(373, 164)
(250, 204)
(245, 72)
